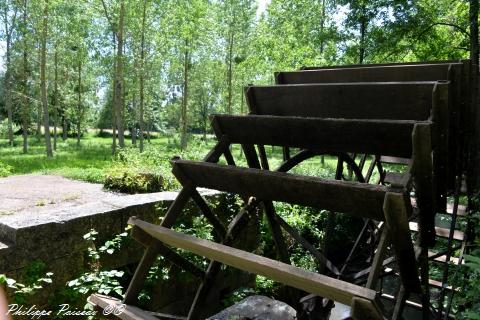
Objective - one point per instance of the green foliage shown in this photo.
(5, 169)
(4, 128)
(35, 278)
(96, 280)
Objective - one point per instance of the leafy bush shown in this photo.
(4, 128)
(134, 172)
(35, 278)
(5, 169)
(133, 180)
(97, 280)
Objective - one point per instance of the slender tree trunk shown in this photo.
(39, 105)
(133, 129)
(43, 83)
(363, 30)
(363, 26)
(55, 101)
(119, 78)
(142, 77)
(64, 128)
(8, 86)
(79, 102)
(9, 27)
(114, 113)
(184, 123)
(149, 126)
(322, 28)
(230, 70)
(475, 110)
(25, 107)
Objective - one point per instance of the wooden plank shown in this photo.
(129, 312)
(365, 309)
(438, 285)
(392, 100)
(311, 282)
(138, 279)
(364, 200)
(441, 232)
(146, 240)
(425, 187)
(396, 179)
(395, 160)
(413, 63)
(377, 264)
(442, 258)
(440, 141)
(461, 211)
(396, 215)
(424, 72)
(384, 137)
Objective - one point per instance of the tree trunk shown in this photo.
(79, 102)
(475, 112)
(184, 124)
(55, 101)
(363, 30)
(230, 70)
(64, 128)
(119, 78)
(142, 78)
(8, 73)
(363, 27)
(133, 129)
(114, 113)
(25, 107)
(39, 105)
(43, 83)
(8, 84)
(322, 28)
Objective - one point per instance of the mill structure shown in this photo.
(400, 134)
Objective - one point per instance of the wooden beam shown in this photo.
(396, 214)
(364, 200)
(425, 186)
(387, 100)
(410, 63)
(365, 309)
(324, 286)
(440, 140)
(384, 137)
(369, 73)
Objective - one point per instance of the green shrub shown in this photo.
(134, 172)
(133, 180)
(5, 169)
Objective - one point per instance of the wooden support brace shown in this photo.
(362, 309)
(396, 216)
(425, 187)
(324, 286)
(377, 264)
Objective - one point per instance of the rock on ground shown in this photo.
(257, 308)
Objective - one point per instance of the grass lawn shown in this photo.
(93, 159)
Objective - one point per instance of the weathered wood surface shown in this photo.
(370, 73)
(386, 137)
(425, 186)
(415, 63)
(440, 232)
(362, 309)
(397, 211)
(387, 100)
(363, 200)
(324, 286)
